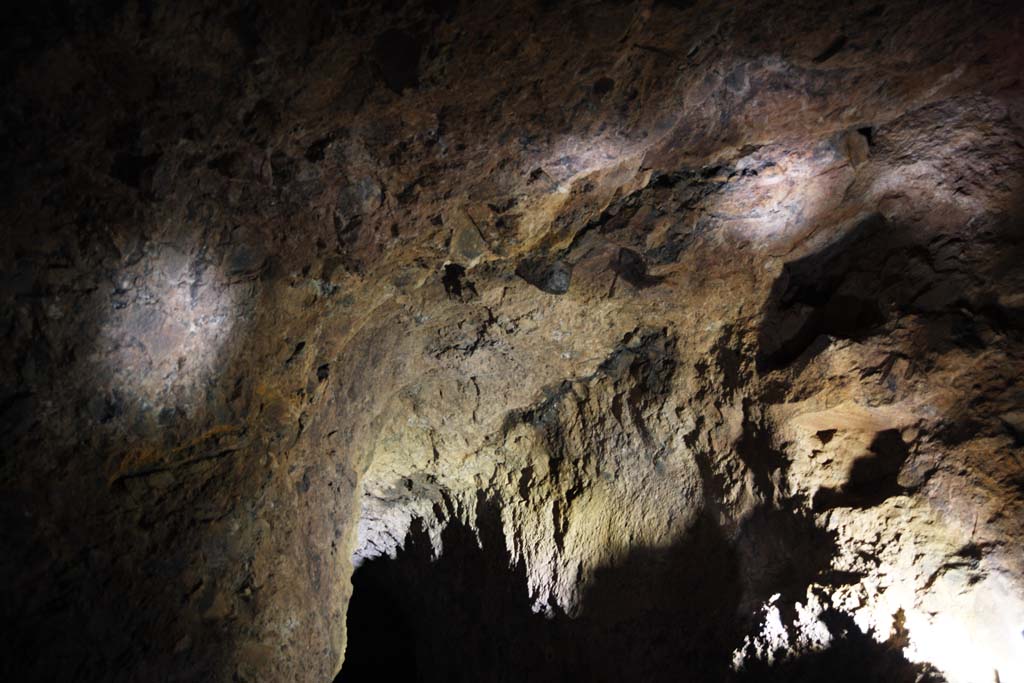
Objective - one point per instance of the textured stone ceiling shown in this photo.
(610, 340)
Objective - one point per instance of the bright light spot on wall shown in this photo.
(778, 194)
(574, 157)
(971, 634)
(162, 340)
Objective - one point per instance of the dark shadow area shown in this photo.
(781, 551)
(879, 272)
(873, 477)
(397, 56)
(836, 291)
(384, 644)
(670, 614)
(658, 615)
(91, 615)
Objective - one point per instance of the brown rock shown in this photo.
(610, 341)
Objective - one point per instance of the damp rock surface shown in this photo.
(531, 340)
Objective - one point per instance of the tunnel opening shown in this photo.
(669, 614)
(456, 615)
(466, 614)
(381, 635)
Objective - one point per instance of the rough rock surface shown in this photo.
(611, 341)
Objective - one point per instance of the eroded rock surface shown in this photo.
(611, 341)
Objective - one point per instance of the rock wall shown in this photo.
(623, 341)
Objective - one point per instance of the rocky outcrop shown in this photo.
(616, 341)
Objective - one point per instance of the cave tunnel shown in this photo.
(655, 615)
(527, 340)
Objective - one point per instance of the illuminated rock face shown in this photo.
(618, 341)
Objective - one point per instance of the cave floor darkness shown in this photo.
(666, 615)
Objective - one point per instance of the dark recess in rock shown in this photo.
(397, 56)
(132, 169)
(631, 267)
(603, 86)
(295, 352)
(832, 50)
(456, 286)
(551, 276)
